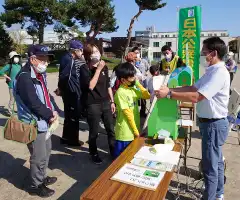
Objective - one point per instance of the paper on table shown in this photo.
(170, 157)
(163, 147)
(139, 176)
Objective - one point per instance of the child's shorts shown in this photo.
(120, 146)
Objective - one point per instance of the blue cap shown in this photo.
(75, 44)
(39, 50)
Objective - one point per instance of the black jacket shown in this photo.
(100, 93)
(69, 74)
(27, 92)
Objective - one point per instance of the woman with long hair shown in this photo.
(98, 99)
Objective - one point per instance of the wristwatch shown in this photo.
(169, 95)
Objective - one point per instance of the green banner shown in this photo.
(189, 37)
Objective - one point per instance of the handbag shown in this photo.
(19, 131)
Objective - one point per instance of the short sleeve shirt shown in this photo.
(126, 98)
(214, 85)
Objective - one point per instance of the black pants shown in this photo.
(71, 103)
(95, 113)
(231, 77)
(143, 103)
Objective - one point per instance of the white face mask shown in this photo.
(168, 57)
(229, 57)
(41, 68)
(138, 55)
(96, 56)
(207, 63)
(16, 60)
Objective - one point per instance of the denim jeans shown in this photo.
(214, 135)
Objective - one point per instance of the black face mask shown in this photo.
(132, 83)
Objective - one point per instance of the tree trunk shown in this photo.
(89, 32)
(41, 32)
(97, 31)
(129, 34)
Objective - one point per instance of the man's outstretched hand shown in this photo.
(162, 92)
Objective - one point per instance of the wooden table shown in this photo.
(105, 189)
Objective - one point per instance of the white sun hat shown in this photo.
(12, 54)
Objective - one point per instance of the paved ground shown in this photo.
(73, 168)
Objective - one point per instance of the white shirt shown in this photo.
(151, 89)
(214, 85)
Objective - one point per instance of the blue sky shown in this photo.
(216, 15)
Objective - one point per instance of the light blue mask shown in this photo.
(137, 63)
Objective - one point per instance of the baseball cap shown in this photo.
(12, 54)
(39, 50)
(75, 44)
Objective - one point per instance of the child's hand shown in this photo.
(136, 135)
(137, 84)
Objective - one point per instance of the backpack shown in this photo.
(116, 86)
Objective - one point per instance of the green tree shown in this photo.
(18, 38)
(34, 13)
(67, 33)
(143, 5)
(33, 32)
(6, 43)
(99, 15)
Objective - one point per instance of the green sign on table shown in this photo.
(189, 37)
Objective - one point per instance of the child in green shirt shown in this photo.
(126, 98)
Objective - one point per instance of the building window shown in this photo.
(162, 36)
(174, 35)
(223, 34)
(215, 34)
(155, 44)
(202, 35)
(156, 54)
(166, 35)
(210, 34)
(169, 44)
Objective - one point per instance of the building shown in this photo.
(118, 44)
(50, 37)
(234, 46)
(156, 40)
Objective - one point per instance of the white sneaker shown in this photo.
(221, 198)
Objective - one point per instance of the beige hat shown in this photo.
(230, 53)
(12, 54)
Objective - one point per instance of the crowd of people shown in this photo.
(88, 91)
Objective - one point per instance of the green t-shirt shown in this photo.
(14, 71)
(126, 98)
